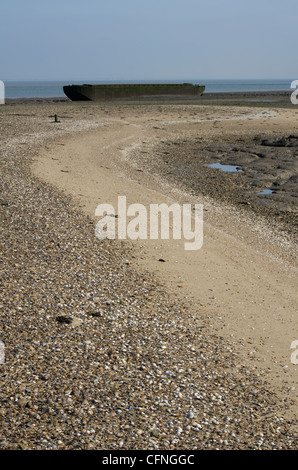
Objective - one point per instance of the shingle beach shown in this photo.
(105, 348)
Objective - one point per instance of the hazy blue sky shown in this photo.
(148, 39)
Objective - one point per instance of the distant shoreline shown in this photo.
(237, 97)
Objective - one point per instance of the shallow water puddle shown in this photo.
(229, 168)
(265, 191)
(262, 101)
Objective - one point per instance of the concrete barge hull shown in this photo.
(108, 92)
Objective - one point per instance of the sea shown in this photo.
(54, 89)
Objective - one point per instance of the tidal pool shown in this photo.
(229, 168)
(265, 191)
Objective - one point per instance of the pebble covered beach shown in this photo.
(99, 355)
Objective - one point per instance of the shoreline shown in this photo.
(268, 98)
(92, 155)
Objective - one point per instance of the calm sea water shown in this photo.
(53, 89)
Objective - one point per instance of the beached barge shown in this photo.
(106, 92)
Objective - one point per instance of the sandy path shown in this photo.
(240, 278)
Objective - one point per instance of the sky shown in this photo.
(148, 39)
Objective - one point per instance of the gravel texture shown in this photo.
(97, 355)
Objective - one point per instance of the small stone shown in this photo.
(76, 321)
(64, 319)
(96, 314)
(23, 401)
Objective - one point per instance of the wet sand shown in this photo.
(258, 168)
(148, 154)
(242, 283)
